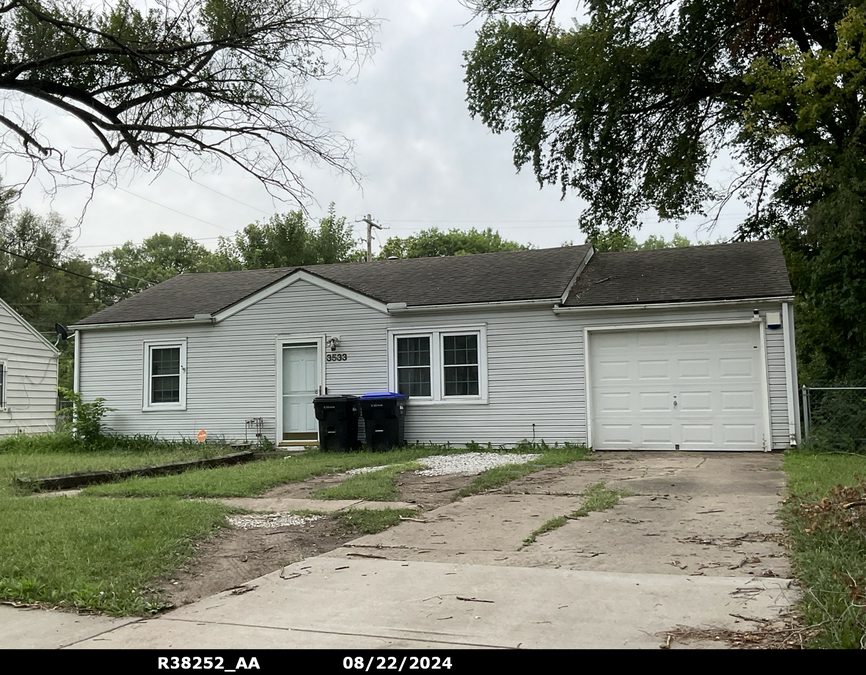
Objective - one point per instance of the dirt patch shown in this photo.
(430, 492)
(236, 556)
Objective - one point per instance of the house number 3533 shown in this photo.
(337, 357)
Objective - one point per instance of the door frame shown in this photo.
(296, 340)
(765, 380)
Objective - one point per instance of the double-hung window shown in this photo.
(443, 364)
(165, 375)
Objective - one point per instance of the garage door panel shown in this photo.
(615, 402)
(739, 434)
(714, 373)
(613, 371)
(736, 368)
(654, 370)
(617, 434)
(739, 401)
(695, 401)
(693, 369)
(650, 402)
(656, 434)
(697, 434)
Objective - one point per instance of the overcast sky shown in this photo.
(424, 161)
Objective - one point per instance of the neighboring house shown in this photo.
(28, 377)
(687, 348)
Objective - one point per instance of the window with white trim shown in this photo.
(439, 364)
(165, 375)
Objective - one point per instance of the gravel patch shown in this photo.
(471, 463)
(266, 520)
(468, 464)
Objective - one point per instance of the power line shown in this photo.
(201, 220)
(60, 269)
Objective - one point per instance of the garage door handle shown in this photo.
(675, 402)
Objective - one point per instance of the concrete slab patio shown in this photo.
(696, 543)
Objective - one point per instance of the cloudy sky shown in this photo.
(424, 162)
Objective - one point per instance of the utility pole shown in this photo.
(370, 225)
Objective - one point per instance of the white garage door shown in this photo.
(677, 389)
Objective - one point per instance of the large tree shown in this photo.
(435, 242)
(185, 80)
(630, 107)
(43, 278)
(160, 257)
(287, 240)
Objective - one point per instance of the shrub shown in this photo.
(86, 417)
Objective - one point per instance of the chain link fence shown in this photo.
(835, 417)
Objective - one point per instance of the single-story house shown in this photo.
(686, 348)
(28, 377)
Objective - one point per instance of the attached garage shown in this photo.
(678, 388)
(687, 349)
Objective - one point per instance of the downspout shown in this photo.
(76, 367)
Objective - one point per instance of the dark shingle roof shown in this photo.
(490, 277)
(721, 272)
(184, 296)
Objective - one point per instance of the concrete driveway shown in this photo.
(696, 544)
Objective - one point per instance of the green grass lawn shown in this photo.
(87, 552)
(254, 478)
(372, 486)
(97, 554)
(829, 545)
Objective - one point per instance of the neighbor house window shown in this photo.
(439, 364)
(165, 375)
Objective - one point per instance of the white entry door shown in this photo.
(678, 389)
(300, 378)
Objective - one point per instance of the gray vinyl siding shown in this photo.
(535, 375)
(30, 379)
(232, 366)
(535, 364)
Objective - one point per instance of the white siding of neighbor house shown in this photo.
(535, 364)
(31, 378)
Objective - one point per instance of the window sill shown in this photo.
(446, 401)
(167, 406)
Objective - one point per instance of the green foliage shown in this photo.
(605, 241)
(435, 243)
(289, 240)
(86, 418)
(828, 545)
(629, 106)
(157, 258)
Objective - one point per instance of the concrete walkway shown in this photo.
(695, 544)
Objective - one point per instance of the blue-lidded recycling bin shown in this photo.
(384, 413)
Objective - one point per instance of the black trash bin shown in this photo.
(384, 413)
(338, 422)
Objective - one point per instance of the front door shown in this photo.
(300, 386)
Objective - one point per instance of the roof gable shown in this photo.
(6, 309)
(488, 277)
